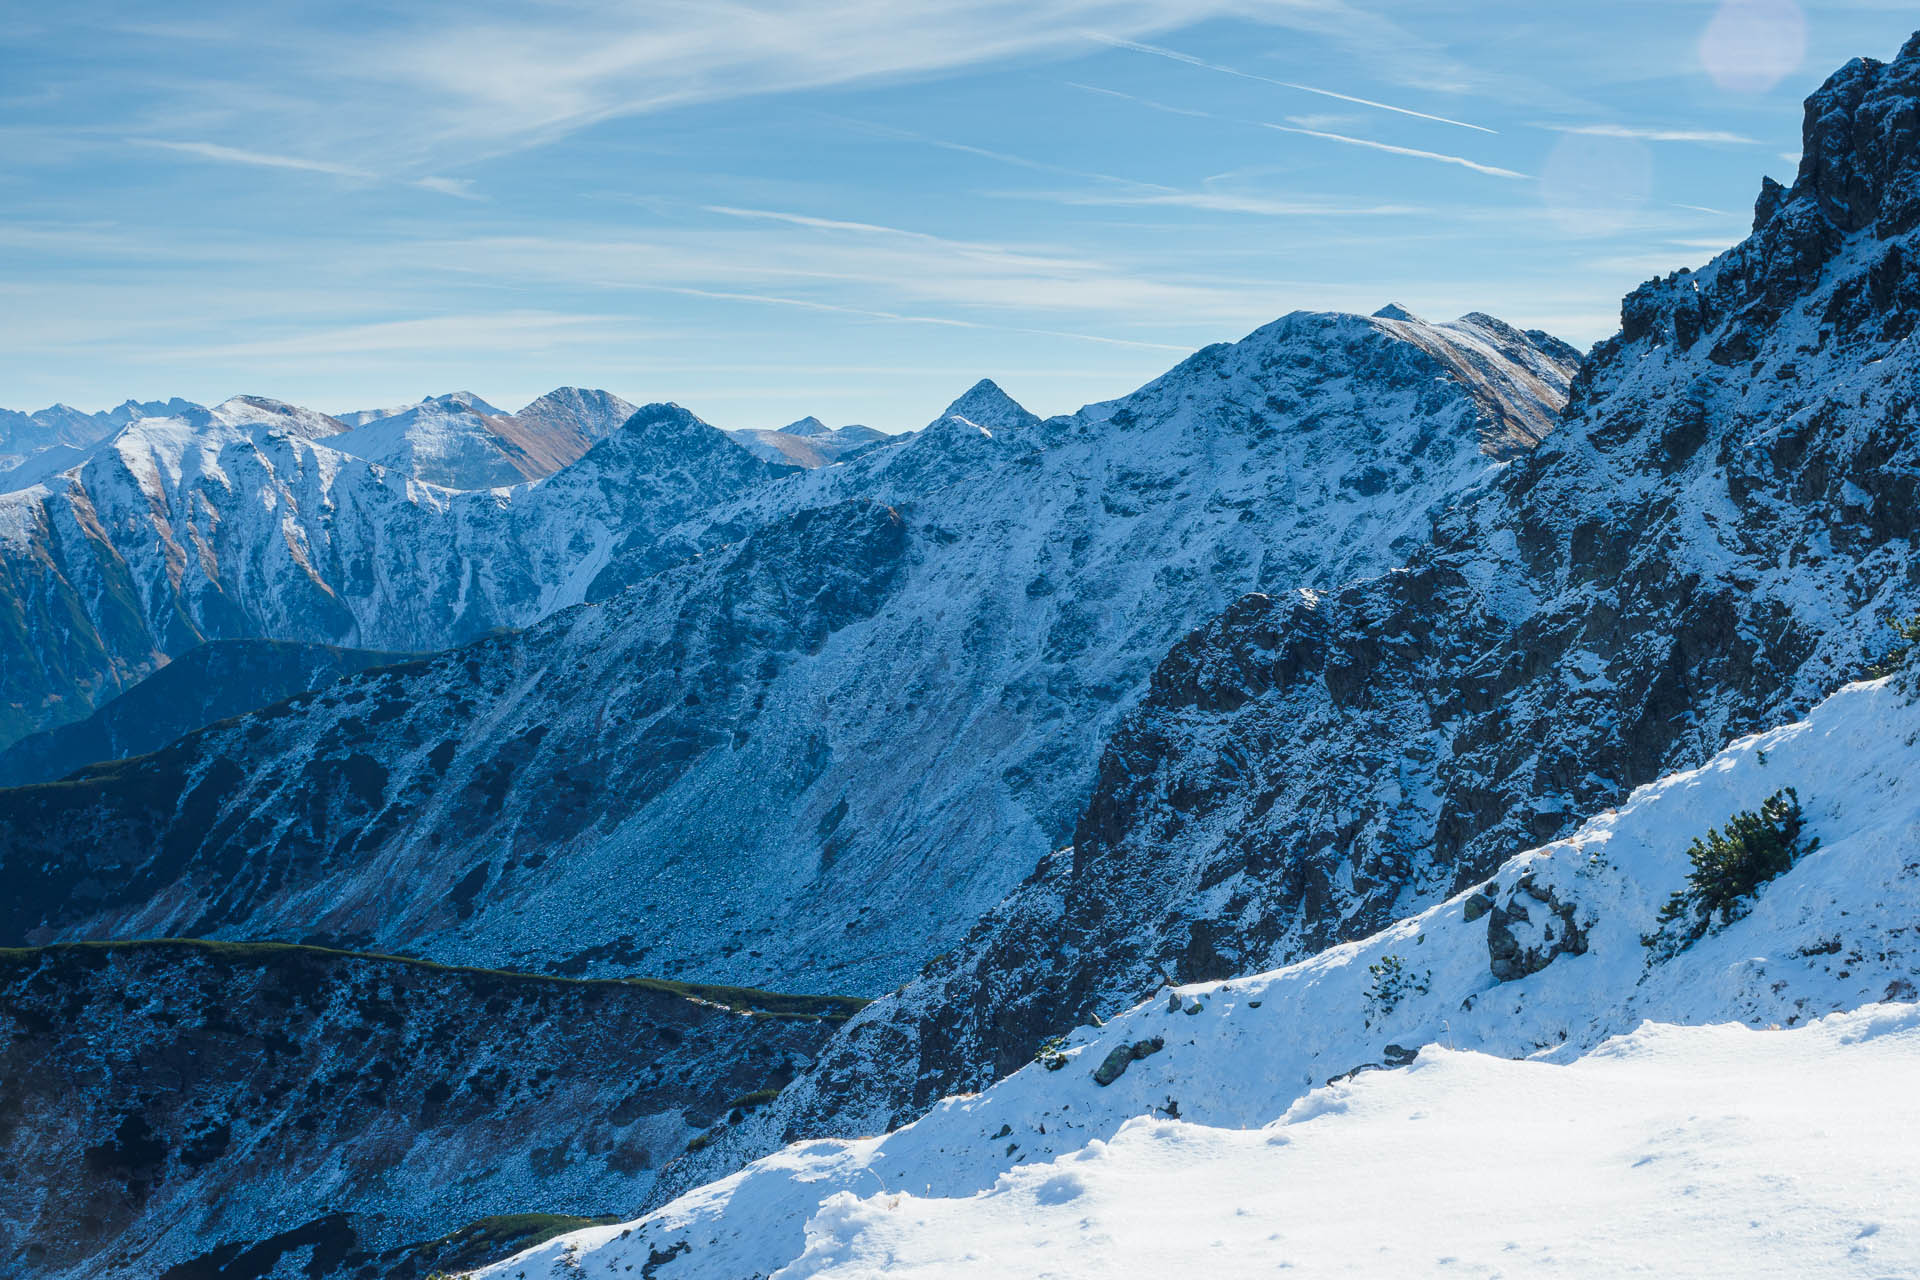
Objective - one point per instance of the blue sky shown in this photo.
(849, 208)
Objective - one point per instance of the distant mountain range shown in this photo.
(811, 442)
(886, 684)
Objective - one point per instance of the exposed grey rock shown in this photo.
(1551, 931)
(1120, 1057)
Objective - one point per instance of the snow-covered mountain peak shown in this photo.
(1394, 311)
(459, 441)
(808, 442)
(1515, 386)
(256, 412)
(985, 405)
(599, 409)
(465, 400)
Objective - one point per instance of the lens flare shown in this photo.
(1752, 45)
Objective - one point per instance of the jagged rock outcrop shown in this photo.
(242, 521)
(811, 755)
(1706, 545)
(185, 1109)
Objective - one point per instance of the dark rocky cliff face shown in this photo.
(452, 775)
(190, 1110)
(1708, 543)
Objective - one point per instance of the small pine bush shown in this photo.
(1049, 1053)
(1392, 983)
(1730, 866)
(1909, 632)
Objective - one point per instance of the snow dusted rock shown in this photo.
(209, 1106)
(813, 755)
(986, 406)
(1276, 1054)
(243, 521)
(451, 401)
(1704, 546)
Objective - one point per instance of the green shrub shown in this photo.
(1897, 657)
(1392, 983)
(1730, 866)
(1049, 1053)
(758, 1098)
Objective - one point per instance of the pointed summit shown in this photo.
(1394, 311)
(464, 400)
(986, 405)
(807, 426)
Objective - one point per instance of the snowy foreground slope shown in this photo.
(1796, 1144)
(1695, 1150)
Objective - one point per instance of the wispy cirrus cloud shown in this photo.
(1350, 140)
(778, 258)
(461, 188)
(988, 153)
(1640, 133)
(1230, 202)
(505, 331)
(506, 75)
(458, 188)
(1187, 58)
(1391, 149)
(257, 159)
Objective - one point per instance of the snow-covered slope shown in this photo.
(59, 435)
(459, 441)
(809, 442)
(844, 738)
(244, 521)
(1714, 1151)
(1708, 543)
(1543, 962)
(452, 401)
